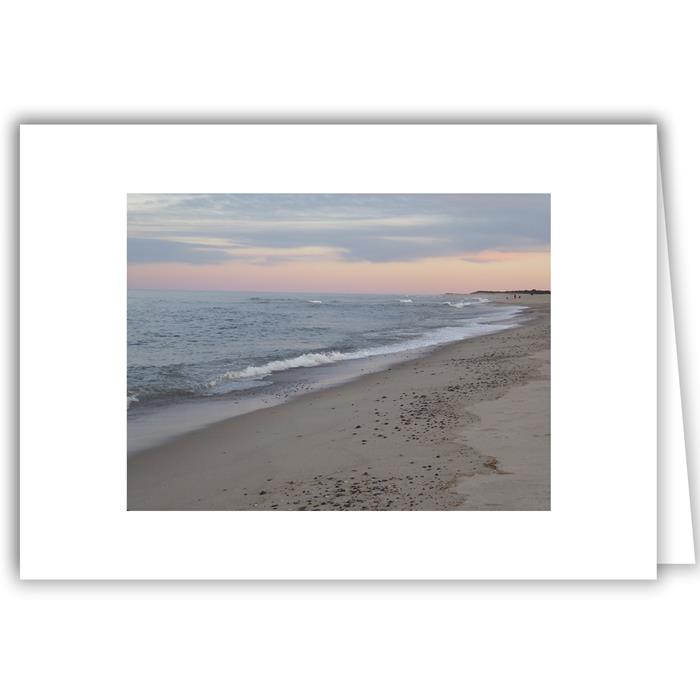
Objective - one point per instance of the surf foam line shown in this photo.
(439, 336)
(463, 303)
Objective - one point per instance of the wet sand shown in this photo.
(465, 427)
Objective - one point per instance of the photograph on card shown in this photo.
(345, 352)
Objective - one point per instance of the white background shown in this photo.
(506, 61)
(74, 181)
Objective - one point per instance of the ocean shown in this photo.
(197, 357)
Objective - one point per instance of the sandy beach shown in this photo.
(465, 427)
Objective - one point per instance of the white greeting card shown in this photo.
(675, 534)
(333, 475)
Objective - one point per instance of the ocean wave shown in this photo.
(224, 387)
(148, 393)
(406, 301)
(464, 302)
(314, 301)
(439, 336)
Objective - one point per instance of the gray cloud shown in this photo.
(144, 250)
(372, 227)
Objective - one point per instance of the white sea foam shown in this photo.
(406, 301)
(314, 301)
(439, 336)
(222, 386)
(130, 398)
(465, 302)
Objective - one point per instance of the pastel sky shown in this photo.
(380, 243)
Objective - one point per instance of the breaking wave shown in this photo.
(438, 336)
(465, 302)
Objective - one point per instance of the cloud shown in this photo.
(213, 251)
(488, 256)
(143, 250)
(202, 228)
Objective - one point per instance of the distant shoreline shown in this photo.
(509, 291)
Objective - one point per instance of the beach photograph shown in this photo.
(344, 352)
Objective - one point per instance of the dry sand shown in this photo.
(465, 427)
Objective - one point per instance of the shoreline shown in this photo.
(336, 374)
(401, 438)
(155, 425)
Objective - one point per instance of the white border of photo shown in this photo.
(73, 519)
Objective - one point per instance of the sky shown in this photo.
(371, 243)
